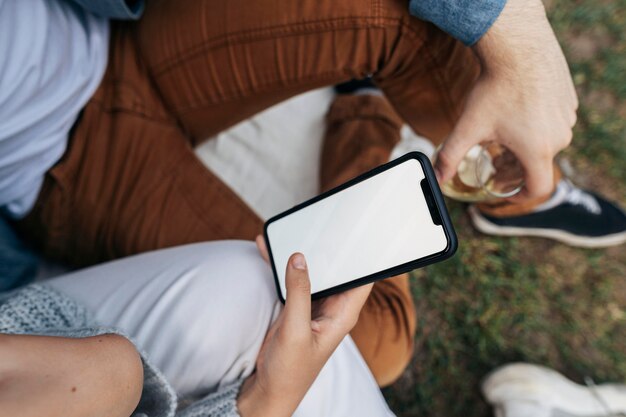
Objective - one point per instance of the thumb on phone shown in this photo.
(298, 303)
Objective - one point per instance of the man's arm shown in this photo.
(524, 98)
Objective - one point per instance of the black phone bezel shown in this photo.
(406, 267)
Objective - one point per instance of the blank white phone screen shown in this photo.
(377, 224)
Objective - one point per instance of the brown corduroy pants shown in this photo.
(129, 181)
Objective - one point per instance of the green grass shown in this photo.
(533, 300)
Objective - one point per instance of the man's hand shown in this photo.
(298, 344)
(524, 98)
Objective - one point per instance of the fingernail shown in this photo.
(298, 261)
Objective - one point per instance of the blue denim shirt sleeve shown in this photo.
(466, 20)
(114, 9)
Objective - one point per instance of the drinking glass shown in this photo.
(489, 171)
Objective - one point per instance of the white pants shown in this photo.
(201, 312)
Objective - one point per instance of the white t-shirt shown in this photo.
(53, 55)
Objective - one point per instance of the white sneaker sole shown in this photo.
(485, 226)
(525, 390)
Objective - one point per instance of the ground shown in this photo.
(530, 299)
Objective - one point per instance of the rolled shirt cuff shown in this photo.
(465, 20)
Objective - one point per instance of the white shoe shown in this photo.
(524, 390)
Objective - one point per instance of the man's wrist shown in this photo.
(518, 25)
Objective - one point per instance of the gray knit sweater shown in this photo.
(40, 310)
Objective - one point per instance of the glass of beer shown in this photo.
(489, 171)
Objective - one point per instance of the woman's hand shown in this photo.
(298, 344)
(524, 98)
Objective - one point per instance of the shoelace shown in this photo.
(594, 391)
(577, 196)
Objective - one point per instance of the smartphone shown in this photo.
(387, 221)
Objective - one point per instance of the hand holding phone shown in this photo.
(385, 222)
(304, 329)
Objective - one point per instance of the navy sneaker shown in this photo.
(572, 216)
